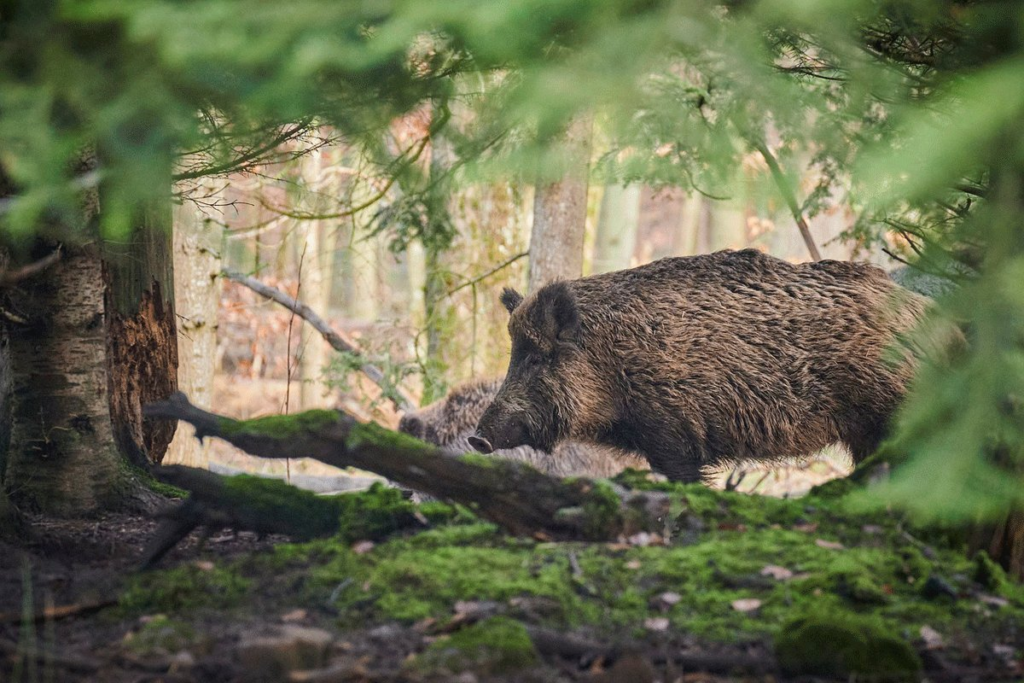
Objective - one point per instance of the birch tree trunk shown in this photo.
(62, 458)
(617, 228)
(560, 214)
(315, 285)
(197, 288)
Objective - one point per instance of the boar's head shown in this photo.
(538, 402)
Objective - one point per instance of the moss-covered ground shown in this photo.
(832, 591)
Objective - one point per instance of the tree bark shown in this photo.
(560, 214)
(62, 458)
(142, 347)
(197, 287)
(617, 228)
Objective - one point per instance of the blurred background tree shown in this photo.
(778, 124)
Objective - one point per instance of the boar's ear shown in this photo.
(510, 299)
(560, 318)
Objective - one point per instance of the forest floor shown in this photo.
(739, 587)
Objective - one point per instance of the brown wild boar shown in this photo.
(451, 421)
(705, 360)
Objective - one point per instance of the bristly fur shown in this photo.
(708, 359)
(450, 422)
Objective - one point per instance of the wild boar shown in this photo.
(705, 360)
(451, 421)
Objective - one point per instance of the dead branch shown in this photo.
(396, 395)
(12, 277)
(513, 495)
(480, 278)
(790, 198)
(55, 613)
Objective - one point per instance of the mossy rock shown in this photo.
(843, 646)
(496, 646)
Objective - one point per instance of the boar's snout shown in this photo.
(412, 425)
(480, 444)
(500, 431)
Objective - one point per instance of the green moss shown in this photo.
(496, 646)
(362, 433)
(602, 510)
(845, 645)
(271, 505)
(987, 573)
(281, 426)
(479, 460)
(161, 636)
(724, 544)
(181, 589)
(374, 514)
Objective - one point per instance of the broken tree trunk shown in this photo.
(515, 496)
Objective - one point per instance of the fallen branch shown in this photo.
(513, 495)
(56, 613)
(396, 395)
(790, 198)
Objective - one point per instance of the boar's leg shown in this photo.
(864, 435)
(678, 464)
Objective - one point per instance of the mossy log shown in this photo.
(514, 496)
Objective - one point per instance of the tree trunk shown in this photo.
(142, 347)
(62, 458)
(560, 214)
(197, 287)
(439, 318)
(617, 228)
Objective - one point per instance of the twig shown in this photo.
(55, 613)
(402, 401)
(790, 198)
(479, 278)
(11, 277)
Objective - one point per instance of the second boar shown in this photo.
(450, 422)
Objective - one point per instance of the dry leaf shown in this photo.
(295, 615)
(993, 600)
(746, 605)
(656, 624)
(777, 572)
(932, 638)
(362, 547)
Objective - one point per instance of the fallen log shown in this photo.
(514, 496)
